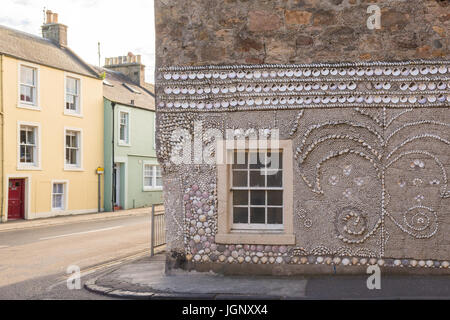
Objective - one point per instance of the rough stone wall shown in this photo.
(379, 113)
(206, 32)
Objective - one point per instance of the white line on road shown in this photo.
(78, 233)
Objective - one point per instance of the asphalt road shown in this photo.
(34, 262)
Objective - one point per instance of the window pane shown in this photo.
(240, 178)
(258, 197)
(158, 171)
(256, 160)
(22, 153)
(275, 215)
(27, 75)
(275, 160)
(148, 171)
(274, 198)
(257, 215)
(274, 178)
(29, 154)
(240, 197)
(257, 179)
(71, 85)
(122, 132)
(26, 93)
(30, 136)
(23, 136)
(240, 215)
(240, 160)
(73, 156)
(148, 182)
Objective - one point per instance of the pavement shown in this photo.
(145, 278)
(61, 220)
(34, 262)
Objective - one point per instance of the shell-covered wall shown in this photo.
(371, 139)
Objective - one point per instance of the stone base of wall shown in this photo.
(309, 266)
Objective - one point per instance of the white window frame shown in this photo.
(126, 143)
(79, 165)
(65, 200)
(36, 165)
(35, 105)
(255, 226)
(154, 186)
(79, 111)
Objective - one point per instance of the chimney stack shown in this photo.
(53, 30)
(130, 65)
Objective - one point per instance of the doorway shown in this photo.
(16, 199)
(117, 186)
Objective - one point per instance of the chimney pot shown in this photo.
(49, 16)
(55, 18)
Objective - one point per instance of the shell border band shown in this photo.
(407, 84)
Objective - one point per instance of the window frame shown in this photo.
(35, 105)
(121, 142)
(36, 165)
(227, 234)
(79, 165)
(79, 111)
(254, 226)
(65, 200)
(154, 166)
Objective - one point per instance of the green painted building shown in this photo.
(133, 179)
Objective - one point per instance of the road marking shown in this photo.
(78, 233)
(106, 265)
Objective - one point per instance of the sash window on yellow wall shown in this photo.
(28, 81)
(72, 148)
(27, 144)
(72, 94)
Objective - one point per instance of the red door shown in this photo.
(16, 199)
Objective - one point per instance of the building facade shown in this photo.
(52, 126)
(360, 121)
(133, 179)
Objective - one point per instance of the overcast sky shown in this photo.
(120, 26)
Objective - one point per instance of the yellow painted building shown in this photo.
(51, 109)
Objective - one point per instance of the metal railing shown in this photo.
(158, 230)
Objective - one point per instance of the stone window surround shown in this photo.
(225, 234)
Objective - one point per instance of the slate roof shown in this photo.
(31, 48)
(120, 89)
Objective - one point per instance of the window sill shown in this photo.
(73, 169)
(256, 238)
(29, 106)
(152, 189)
(73, 114)
(124, 144)
(28, 168)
